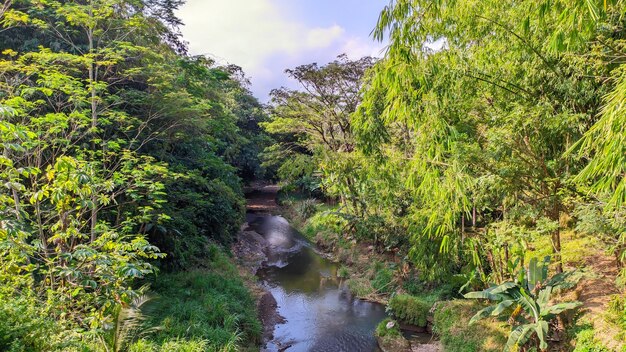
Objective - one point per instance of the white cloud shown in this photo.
(263, 38)
(357, 47)
(323, 37)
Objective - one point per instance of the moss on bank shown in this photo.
(390, 338)
(411, 309)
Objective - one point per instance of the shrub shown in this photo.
(383, 281)
(586, 342)
(325, 222)
(343, 272)
(410, 309)
(201, 210)
(360, 287)
(23, 325)
(306, 208)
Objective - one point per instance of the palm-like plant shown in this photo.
(531, 296)
(129, 324)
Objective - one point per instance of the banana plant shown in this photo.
(527, 300)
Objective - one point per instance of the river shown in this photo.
(321, 315)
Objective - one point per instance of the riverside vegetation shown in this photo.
(489, 134)
(121, 160)
(473, 179)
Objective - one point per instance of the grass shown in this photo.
(575, 248)
(585, 339)
(451, 324)
(204, 310)
(411, 309)
(360, 287)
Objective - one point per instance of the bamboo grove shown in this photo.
(485, 127)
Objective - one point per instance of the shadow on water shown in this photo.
(320, 312)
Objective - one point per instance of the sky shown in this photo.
(265, 37)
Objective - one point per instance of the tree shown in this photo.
(484, 120)
(313, 123)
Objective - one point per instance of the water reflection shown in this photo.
(321, 314)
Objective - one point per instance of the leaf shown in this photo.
(526, 301)
(503, 287)
(519, 336)
(542, 333)
(481, 314)
(502, 306)
(544, 296)
(559, 308)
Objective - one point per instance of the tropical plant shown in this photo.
(527, 303)
(128, 324)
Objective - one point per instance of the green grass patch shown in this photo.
(360, 287)
(575, 247)
(585, 340)
(204, 307)
(451, 324)
(411, 309)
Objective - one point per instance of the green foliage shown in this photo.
(113, 142)
(605, 146)
(176, 345)
(24, 326)
(383, 280)
(128, 325)
(532, 297)
(616, 314)
(360, 287)
(411, 309)
(586, 342)
(325, 222)
(609, 226)
(343, 272)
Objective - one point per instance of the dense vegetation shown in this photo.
(490, 133)
(120, 155)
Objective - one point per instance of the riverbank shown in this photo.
(380, 274)
(309, 291)
(254, 251)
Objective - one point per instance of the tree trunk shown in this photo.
(93, 77)
(474, 217)
(556, 236)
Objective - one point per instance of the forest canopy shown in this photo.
(121, 155)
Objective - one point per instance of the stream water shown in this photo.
(320, 313)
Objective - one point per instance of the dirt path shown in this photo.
(595, 294)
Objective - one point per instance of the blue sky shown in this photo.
(265, 37)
